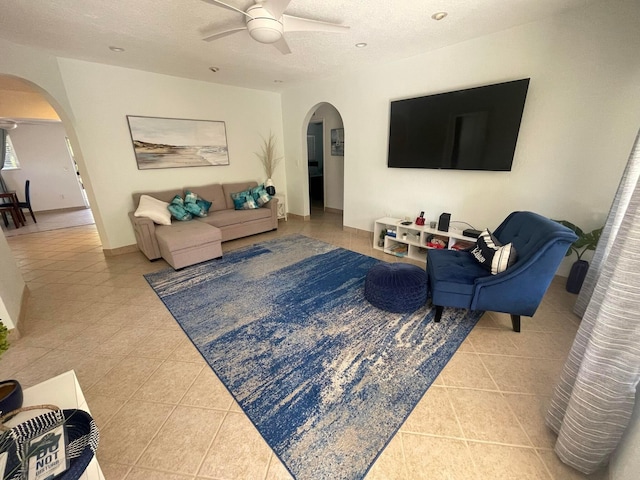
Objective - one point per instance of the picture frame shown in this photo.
(337, 142)
(176, 143)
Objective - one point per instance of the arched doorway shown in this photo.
(42, 146)
(325, 159)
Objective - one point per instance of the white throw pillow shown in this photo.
(154, 209)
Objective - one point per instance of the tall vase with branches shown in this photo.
(269, 161)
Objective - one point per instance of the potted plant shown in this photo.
(585, 241)
(269, 161)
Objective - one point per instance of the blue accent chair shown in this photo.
(456, 279)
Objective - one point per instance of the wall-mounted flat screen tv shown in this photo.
(472, 129)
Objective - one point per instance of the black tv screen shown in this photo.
(472, 129)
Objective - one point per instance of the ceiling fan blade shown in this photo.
(298, 24)
(282, 46)
(276, 7)
(230, 7)
(223, 33)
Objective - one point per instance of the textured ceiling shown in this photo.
(166, 36)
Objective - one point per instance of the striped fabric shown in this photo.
(595, 396)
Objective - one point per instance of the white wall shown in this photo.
(45, 160)
(580, 120)
(42, 70)
(11, 286)
(102, 96)
(333, 165)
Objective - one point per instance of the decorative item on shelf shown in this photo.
(434, 241)
(383, 233)
(269, 161)
(59, 444)
(10, 396)
(269, 187)
(420, 220)
(585, 241)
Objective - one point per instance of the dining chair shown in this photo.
(10, 209)
(27, 202)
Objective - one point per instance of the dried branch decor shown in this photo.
(268, 155)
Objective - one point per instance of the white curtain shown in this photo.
(595, 396)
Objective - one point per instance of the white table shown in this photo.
(64, 392)
(282, 206)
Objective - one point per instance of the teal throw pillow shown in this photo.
(177, 200)
(260, 195)
(244, 200)
(190, 197)
(204, 204)
(179, 212)
(195, 209)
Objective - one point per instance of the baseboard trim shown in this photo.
(305, 218)
(333, 210)
(14, 334)
(114, 252)
(357, 231)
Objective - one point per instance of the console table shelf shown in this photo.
(412, 241)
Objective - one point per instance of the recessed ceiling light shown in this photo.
(439, 15)
(214, 69)
(361, 45)
(278, 81)
(116, 49)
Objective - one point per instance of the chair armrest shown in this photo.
(519, 289)
(145, 232)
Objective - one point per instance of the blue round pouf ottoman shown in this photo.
(396, 287)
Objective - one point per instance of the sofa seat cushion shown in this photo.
(459, 282)
(225, 218)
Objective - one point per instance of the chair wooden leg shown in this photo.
(515, 321)
(438, 316)
(5, 219)
(32, 215)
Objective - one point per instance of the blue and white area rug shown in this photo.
(326, 378)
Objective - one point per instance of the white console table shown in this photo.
(64, 392)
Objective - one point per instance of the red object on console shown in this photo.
(420, 221)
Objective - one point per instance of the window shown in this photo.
(11, 159)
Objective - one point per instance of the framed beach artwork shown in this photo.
(175, 142)
(337, 142)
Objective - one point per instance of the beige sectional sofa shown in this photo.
(186, 243)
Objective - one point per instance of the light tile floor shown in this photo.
(164, 415)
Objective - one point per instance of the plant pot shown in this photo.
(10, 396)
(577, 275)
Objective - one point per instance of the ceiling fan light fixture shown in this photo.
(361, 45)
(116, 49)
(439, 16)
(214, 69)
(265, 34)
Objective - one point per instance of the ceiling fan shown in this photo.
(266, 22)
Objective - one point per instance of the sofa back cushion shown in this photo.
(212, 193)
(230, 188)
